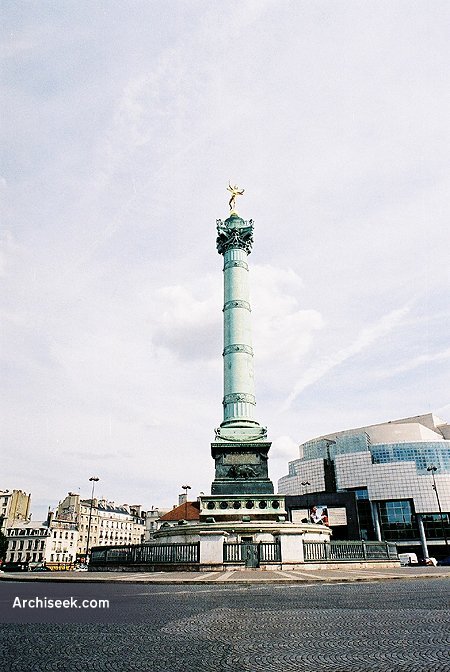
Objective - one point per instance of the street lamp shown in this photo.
(433, 469)
(185, 488)
(94, 480)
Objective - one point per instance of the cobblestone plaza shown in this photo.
(387, 626)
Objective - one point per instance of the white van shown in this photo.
(408, 559)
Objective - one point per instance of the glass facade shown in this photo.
(436, 526)
(360, 493)
(423, 453)
(398, 520)
(386, 467)
(327, 448)
(365, 520)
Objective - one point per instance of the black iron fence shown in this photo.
(145, 554)
(263, 552)
(341, 551)
(246, 553)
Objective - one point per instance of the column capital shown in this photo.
(234, 232)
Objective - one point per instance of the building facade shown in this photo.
(14, 506)
(51, 542)
(153, 522)
(399, 472)
(104, 522)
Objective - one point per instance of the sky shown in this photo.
(122, 124)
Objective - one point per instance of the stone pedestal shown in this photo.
(291, 542)
(246, 507)
(212, 533)
(241, 468)
(211, 548)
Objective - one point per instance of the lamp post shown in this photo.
(433, 469)
(185, 488)
(94, 480)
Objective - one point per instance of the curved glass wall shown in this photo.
(423, 453)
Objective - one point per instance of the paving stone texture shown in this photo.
(385, 626)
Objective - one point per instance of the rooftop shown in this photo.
(185, 511)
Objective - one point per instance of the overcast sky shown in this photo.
(122, 124)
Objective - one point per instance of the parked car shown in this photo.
(15, 567)
(81, 568)
(445, 562)
(407, 559)
(41, 568)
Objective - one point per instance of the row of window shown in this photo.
(36, 543)
(398, 521)
(106, 523)
(29, 532)
(423, 454)
(31, 557)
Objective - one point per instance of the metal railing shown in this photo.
(344, 551)
(266, 551)
(145, 554)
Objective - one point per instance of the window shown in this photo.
(398, 520)
(436, 527)
(361, 493)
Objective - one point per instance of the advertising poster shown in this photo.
(318, 515)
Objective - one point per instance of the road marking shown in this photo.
(224, 576)
(284, 575)
(297, 572)
(209, 575)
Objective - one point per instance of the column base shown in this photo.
(241, 468)
(242, 431)
(242, 487)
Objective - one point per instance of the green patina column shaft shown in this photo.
(241, 447)
(234, 242)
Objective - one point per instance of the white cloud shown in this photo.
(411, 364)
(366, 337)
(284, 448)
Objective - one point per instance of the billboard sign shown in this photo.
(318, 514)
(321, 515)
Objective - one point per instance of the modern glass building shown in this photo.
(399, 472)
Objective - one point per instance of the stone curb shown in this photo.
(289, 580)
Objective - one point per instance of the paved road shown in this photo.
(387, 626)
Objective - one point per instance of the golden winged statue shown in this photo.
(235, 191)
